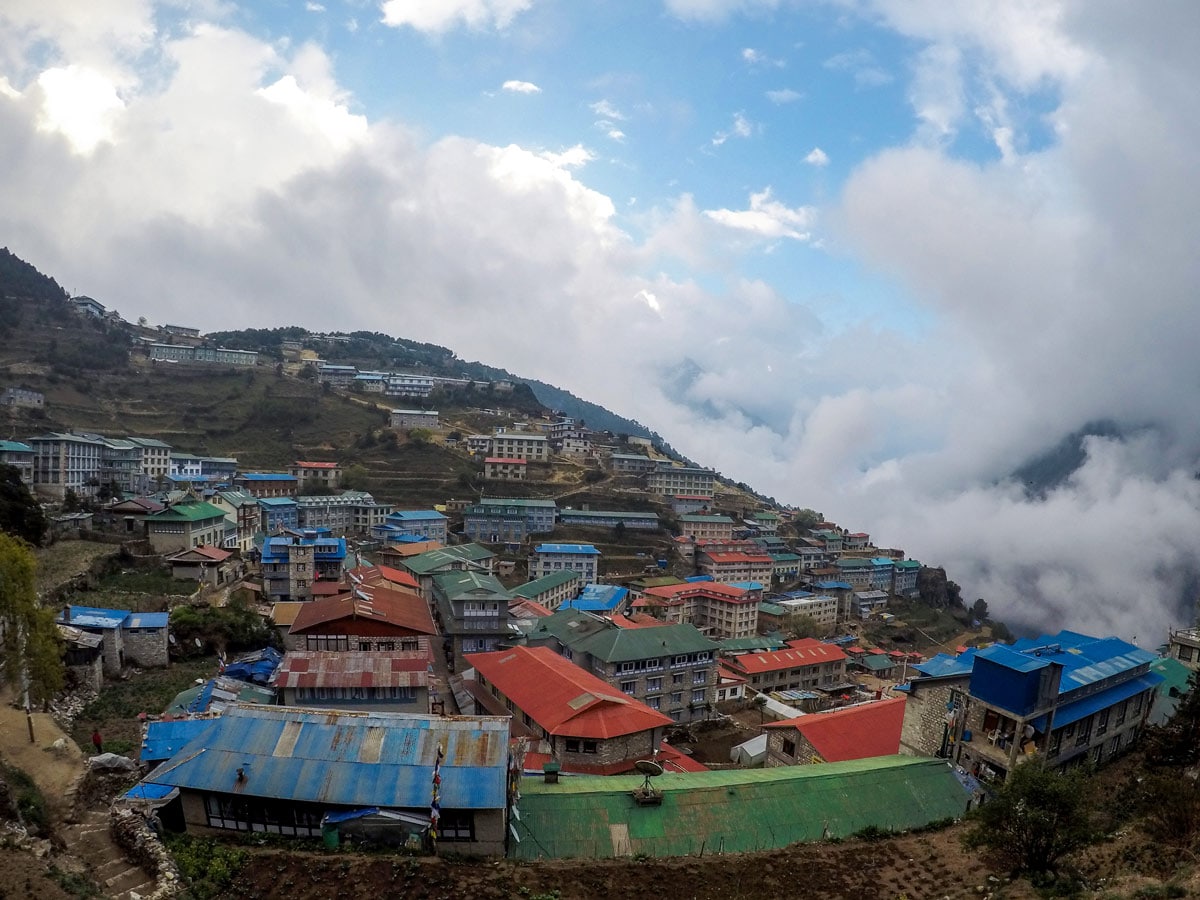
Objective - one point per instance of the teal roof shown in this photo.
(14, 447)
(425, 563)
(731, 811)
(1174, 685)
(531, 589)
(626, 644)
(756, 642)
(696, 517)
(490, 501)
(773, 609)
(187, 512)
(455, 584)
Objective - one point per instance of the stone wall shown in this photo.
(147, 648)
(142, 846)
(925, 714)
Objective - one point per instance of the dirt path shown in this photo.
(90, 841)
(54, 771)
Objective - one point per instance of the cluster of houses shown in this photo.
(550, 704)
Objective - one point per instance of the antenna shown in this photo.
(646, 795)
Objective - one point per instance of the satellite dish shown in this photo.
(648, 767)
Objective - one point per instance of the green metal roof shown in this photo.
(531, 589)
(187, 512)
(425, 563)
(455, 584)
(755, 642)
(696, 517)
(734, 810)
(626, 644)
(523, 502)
(773, 609)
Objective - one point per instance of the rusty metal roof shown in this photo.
(344, 758)
(355, 668)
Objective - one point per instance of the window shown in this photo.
(1185, 653)
(789, 747)
(456, 825)
(591, 746)
(573, 745)
(677, 698)
(654, 684)
(1102, 722)
(700, 676)
(698, 696)
(654, 702)
(677, 679)
(628, 687)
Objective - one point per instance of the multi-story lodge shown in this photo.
(721, 611)
(412, 524)
(292, 562)
(1062, 698)
(20, 457)
(472, 609)
(670, 668)
(309, 475)
(729, 566)
(805, 664)
(601, 518)
(185, 525)
(550, 558)
(266, 484)
(671, 480)
(585, 724)
(350, 512)
(631, 463)
(66, 462)
(521, 445)
(498, 521)
(505, 468)
(413, 418)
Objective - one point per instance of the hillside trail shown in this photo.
(58, 772)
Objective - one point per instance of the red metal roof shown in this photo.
(385, 576)
(562, 698)
(523, 608)
(405, 611)
(804, 652)
(511, 460)
(316, 465)
(375, 668)
(856, 732)
(637, 620)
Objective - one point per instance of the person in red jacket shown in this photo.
(97, 740)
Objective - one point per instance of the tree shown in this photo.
(979, 610)
(800, 625)
(29, 643)
(419, 436)
(20, 513)
(1037, 817)
(1177, 743)
(354, 477)
(619, 531)
(805, 519)
(71, 502)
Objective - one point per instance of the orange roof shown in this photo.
(413, 549)
(562, 698)
(385, 576)
(522, 608)
(804, 652)
(285, 611)
(672, 760)
(511, 460)
(637, 620)
(734, 556)
(671, 591)
(724, 673)
(316, 465)
(856, 732)
(371, 603)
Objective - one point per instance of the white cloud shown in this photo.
(817, 157)
(767, 218)
(607, 110)
(521, 87)
(310, 6)
(716, 10)
(862, 66)
(741, 127)
(784, 95)
(438, 16)
(79, 103)
(616, 134)
(754, 57)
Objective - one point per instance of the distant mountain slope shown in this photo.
(1051, 468)
(368, 349)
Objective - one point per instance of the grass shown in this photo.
(116, 708)
(145, 583)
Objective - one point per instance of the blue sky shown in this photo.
(868, 256)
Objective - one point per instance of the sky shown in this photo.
(867, 256)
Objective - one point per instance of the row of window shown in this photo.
(361, 694)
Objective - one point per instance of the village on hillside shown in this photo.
(537, 676)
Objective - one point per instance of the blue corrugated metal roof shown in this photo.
(834, 585)
(1085, 659)
(567, 548)
(148, 791)
(747, 585)
(146, 620)
(92, 617)
(598, 598)
(1081, 709)
(419, 515)
(345, 759)
(164, 739)
(945, 664)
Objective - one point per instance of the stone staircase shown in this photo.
(89, 840)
